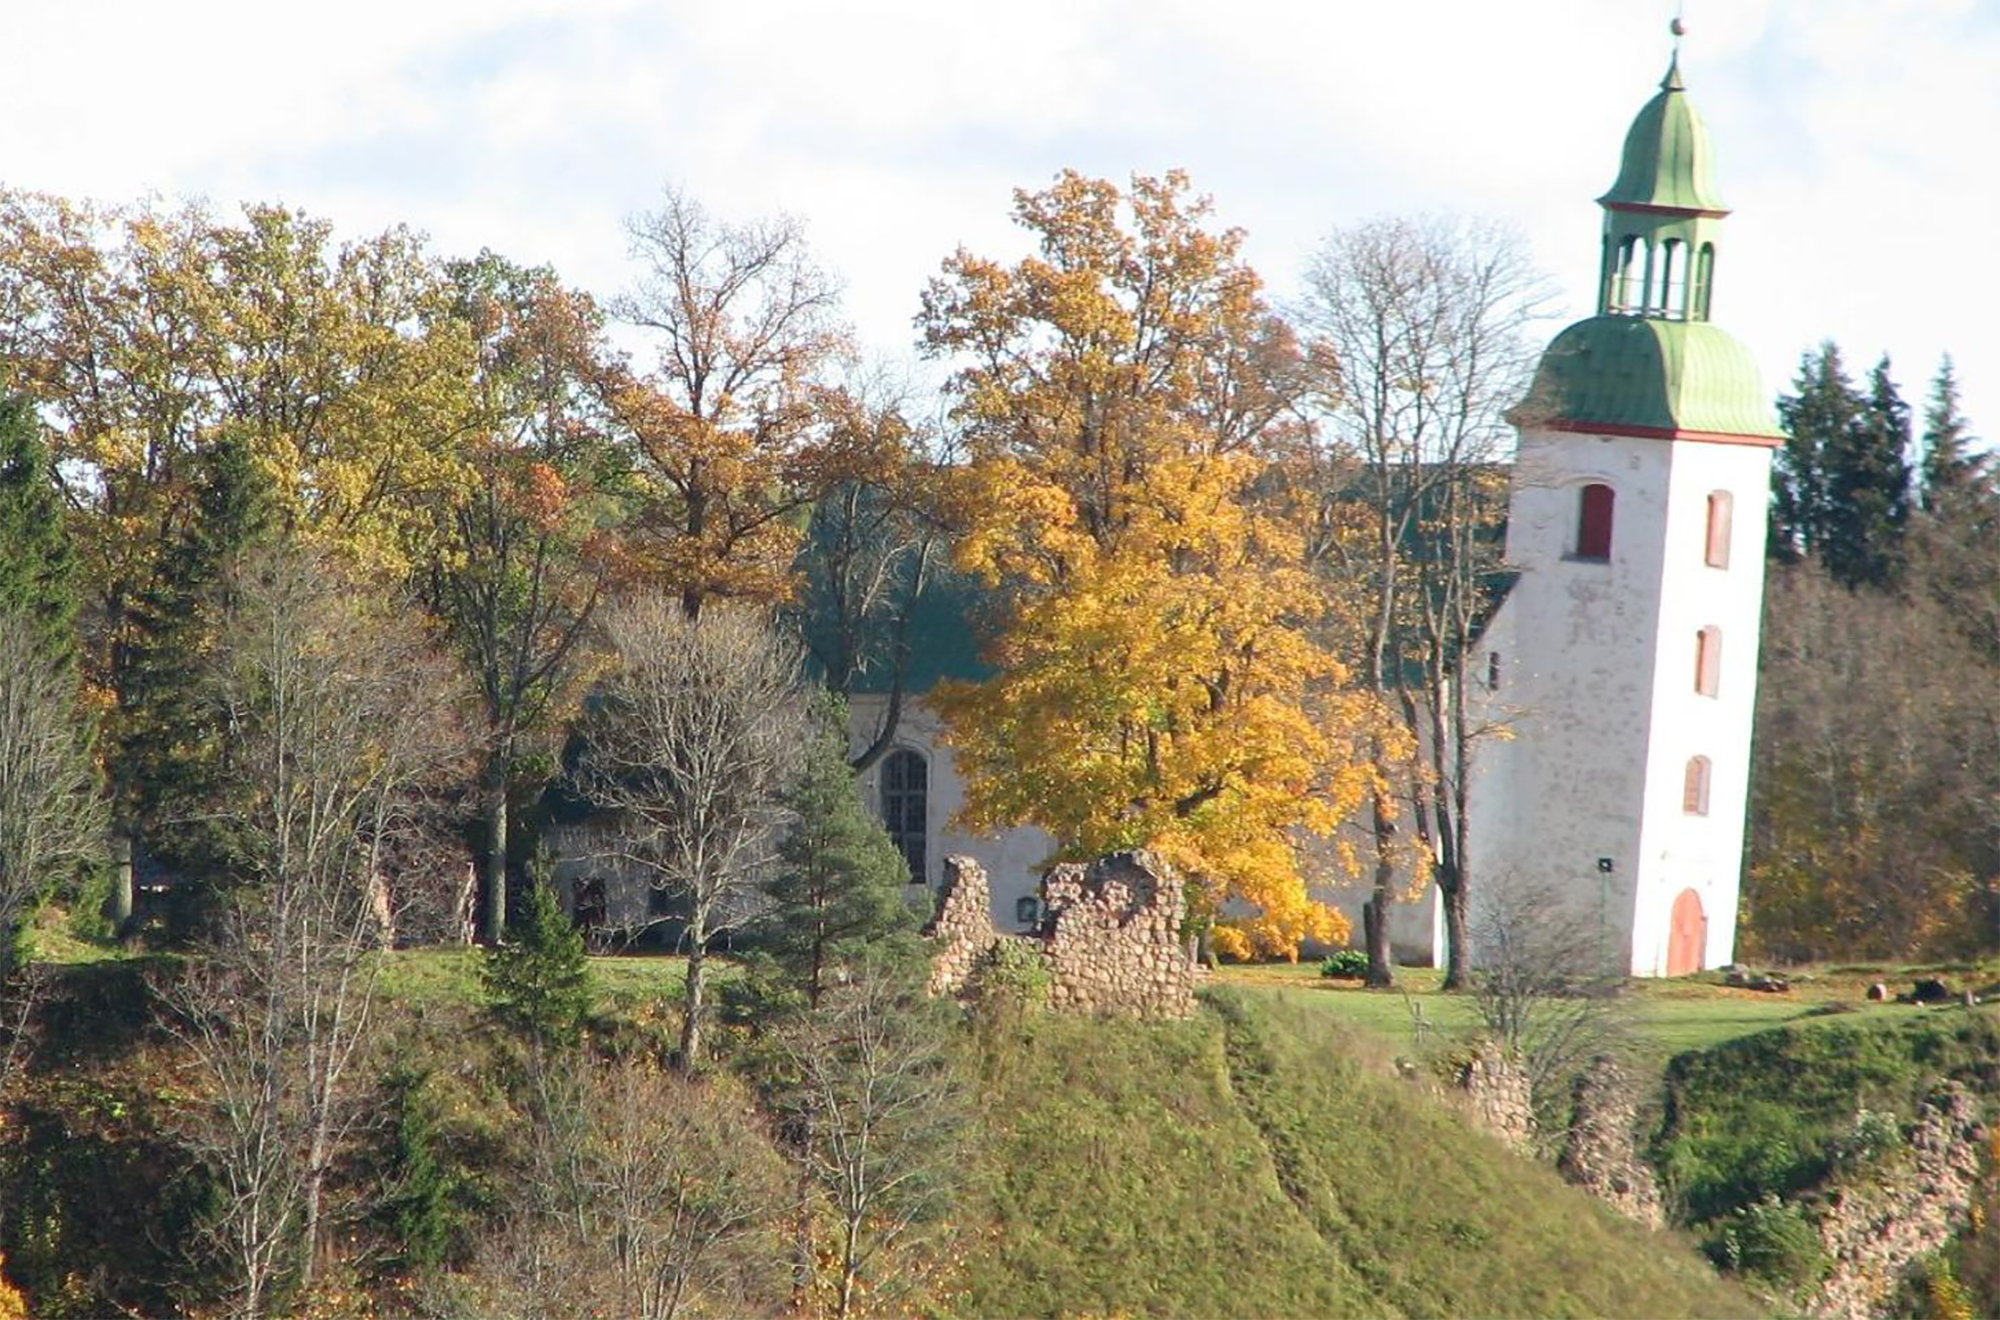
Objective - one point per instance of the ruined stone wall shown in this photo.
(1875, 1227)
(1496, 1087)
(1109, 935)
(962, 929)
(1601, 1156)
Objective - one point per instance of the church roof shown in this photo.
(1649, 374)
(1668, 163)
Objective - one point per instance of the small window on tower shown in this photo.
(1593, 521)
(1720, 505)
(1492, 671)
(1708, 661)
(1694, 789)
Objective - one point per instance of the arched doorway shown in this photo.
(1687, 935)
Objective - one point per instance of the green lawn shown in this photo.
(451, 976)
(1672, 1015)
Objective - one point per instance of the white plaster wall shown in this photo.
(1012, 858)
(1680, 851)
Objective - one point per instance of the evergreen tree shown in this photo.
(1867, 474)
(1952, 473)
(170, 763)
(539, 982)
(838, 893)
(37, 562)
(1816, 417)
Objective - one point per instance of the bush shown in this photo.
(1345, 965)
(1011, 976)
(1771, 1240)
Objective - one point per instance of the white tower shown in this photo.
(1627, 649)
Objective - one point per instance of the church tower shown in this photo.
(1626, 652)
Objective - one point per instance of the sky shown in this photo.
(1854, 138)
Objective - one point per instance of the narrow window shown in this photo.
(1704, 280)
(1673, 279)
(1492, 671)
(1694, 788)
(1593, 522)
(1708, 661)
(1027, 910)
(1720, 505)
(906, 807)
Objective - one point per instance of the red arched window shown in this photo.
(1694, 788)
(1708, 661)
(1593, 521)
(1720, 505)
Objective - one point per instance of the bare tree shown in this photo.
(338, 721)
(687, 747)
(1547, 985)
(882, 1113)
(1422, 327)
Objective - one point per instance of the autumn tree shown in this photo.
(687, 747)
(1426, 325)
(725, 433)
(1122, 394)
(519, 554)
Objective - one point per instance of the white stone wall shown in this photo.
(1011, 858)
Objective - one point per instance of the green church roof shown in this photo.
(1667, 163)
(1651, 375)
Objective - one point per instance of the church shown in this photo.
(1626, 649)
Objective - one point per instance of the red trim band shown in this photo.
(1657, 432)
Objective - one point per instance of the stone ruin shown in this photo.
(1109, 935)
(1497, 1091)
(1601, 1156)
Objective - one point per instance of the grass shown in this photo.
(1262, 1160)
(442, 977)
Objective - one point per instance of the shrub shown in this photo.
(1345, 965)
(1772, 1240)
(539, 982)
(1010, 975)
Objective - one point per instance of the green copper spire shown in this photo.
(1649, 362)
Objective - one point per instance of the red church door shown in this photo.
(1687, 937)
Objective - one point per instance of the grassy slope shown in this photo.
(1250, 1163)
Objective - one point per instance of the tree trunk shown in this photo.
(697, 982)
(120, 908)
(1375, 915)
(1458, 958)
(496, 851)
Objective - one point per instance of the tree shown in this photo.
(837, 891)
(1822, 408)
(37, 561)
(724, 436)
(1424, 323)
(1952, 472)
(876, 1092)
(51, 818)
(519, 558)
(539, 983)
(341, 722)
(686, 748)
(1161, 679)
(1868, 489)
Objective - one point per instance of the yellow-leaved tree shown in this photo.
(1164, 678)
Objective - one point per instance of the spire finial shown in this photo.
(1672, 82)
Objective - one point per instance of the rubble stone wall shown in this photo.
(1601, 1156)
(1497, 1089)
(962, 928)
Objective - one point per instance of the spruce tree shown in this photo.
(1953, 474)
(1867, 472)
(1821, 411)
(37, 563)
(539, 982)
(837, 895)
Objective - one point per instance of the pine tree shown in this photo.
(539, 982)
(37, 562)
(169, 763)
(1867, 472)
(1952, 473)
(1823, 408)
(838, 893)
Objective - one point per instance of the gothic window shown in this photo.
(906, 808)
(1720, 505)
(1694, 788)
(1708, 661)
(1593, 521)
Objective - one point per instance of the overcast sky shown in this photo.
(1855, 138)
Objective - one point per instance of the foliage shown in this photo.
(1010, 978)
(37, 560)
(1771, 1240)
(1841, 483)
(837, 891)
(426, 1211)
(1123, 394)
(1345, 964)
(538, 983)
(1953, 474)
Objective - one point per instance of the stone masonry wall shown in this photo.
(1109, 935)
(1601, 1156)
(1874, 1230)
(1496, 1087)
